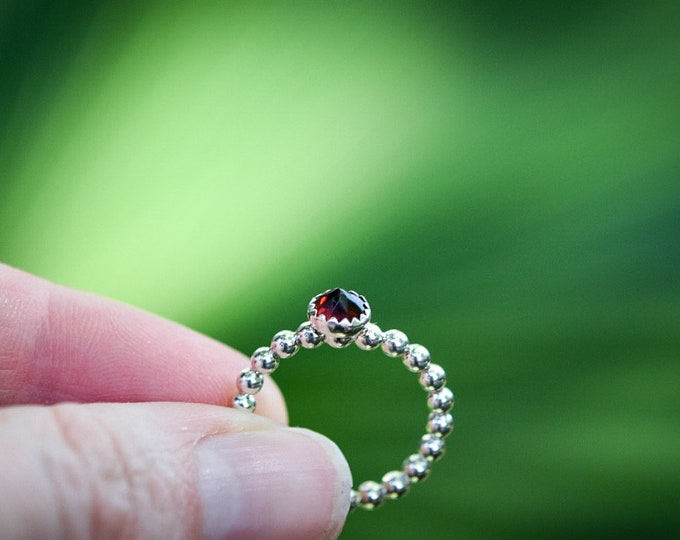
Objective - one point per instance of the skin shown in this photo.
(114, 424)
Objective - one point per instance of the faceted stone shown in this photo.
(340, 304)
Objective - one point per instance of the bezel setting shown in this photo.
(338, 330)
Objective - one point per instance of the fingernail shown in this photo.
(278, 483)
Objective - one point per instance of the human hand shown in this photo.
(145, 447)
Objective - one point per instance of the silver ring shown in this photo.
(339, 318)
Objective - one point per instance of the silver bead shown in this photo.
(308, 336)
(416, 467)
(396, 484)
(416, 358)
(370, 337)
(394, 343)
(354, 499)
(338, 341)
(284, 344)
(433, 378)
(432, 447)
(372, 494)
(440, 423)
(442, 400)
(245, 402)
(250, 381)
(263, 360)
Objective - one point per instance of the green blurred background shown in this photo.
(502, 181)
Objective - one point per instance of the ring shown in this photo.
(339, 317)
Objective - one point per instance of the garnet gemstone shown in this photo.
(340, 304)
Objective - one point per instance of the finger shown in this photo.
(165, 470)
(57, 344)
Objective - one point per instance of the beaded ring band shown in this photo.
(339, 317)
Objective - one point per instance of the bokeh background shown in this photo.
(501, 180)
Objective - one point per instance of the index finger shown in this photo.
(58, 344)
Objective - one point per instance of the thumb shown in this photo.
(165, 470)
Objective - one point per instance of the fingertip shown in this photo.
(274, 404)
(343, 481)
(282, 483)
(61, 345)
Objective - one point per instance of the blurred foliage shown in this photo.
(500, 180)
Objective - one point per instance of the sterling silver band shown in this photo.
(339, 317)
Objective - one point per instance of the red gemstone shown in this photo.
(340, 304)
